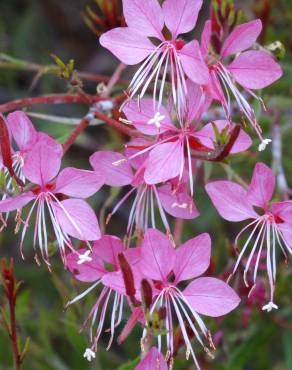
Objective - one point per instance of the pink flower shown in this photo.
(69, 217)
(168, 198)
(167, 267)
(171, 154)
(103, 269)
(133, 45)
(252, 69)
(152, 361)
(270, 227)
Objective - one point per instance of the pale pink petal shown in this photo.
(140, 114)
(18, 202)
(178, 204)
(206, 37)
(283, 210)
(87, 271)
(197, 102)
(207, 136)
(127, 45)
(262, 186)
(114, 280)
(242, 38)
(136, 146)
(22, 130)
(77, 219)
(192, 258)
(43, 161)
(181, 16)
(164, 162)
(113, 167)
(152, 361)
(107, 249)
(211, 297)
(230, 200)
(193, 64)
(78, 183)
(145, 18)
(286, 230)
(255, 69)
(157, 255)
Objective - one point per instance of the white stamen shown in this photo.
(89, 354)
(156, 120)
(82, 258)
(270, 306)
(264, 144)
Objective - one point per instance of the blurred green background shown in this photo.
(33, 29)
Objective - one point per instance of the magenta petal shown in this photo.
(255, 69)
(241, 38)
(77, 219)
(78, 183)
(157, 255)
(286, 230)
(113, 167)
(152, 361)
(114, 280)
(43, 161)
(165, 162)
(207, 136)
(145, 18)
(206, 37)
(18, 202)
(179, 204)
(262, 186)
(230, 200)
(197, 102)
(193, 63)
(283, 210)
(22, 130)
(181, 16)
(107, 249)
(87, 271)
(140, 114)
(192, 258)
(211, 297)
(127, 45)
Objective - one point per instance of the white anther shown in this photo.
(82, 258)
(89, 354)
(156, 120)
(270, 306)
(264, 144)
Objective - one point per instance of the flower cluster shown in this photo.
(168, 105)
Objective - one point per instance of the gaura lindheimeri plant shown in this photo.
(57, 195)
(162, 52)
(271, 223)
(168, 198)
(152, 361)
(167, 267)
(252, 69)
(103, 269)
(170, 156)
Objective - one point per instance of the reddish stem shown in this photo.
(82, 126)
(49, 99)
(117, 125)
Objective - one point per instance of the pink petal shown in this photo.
(134, 147)
(206, 38)
(87, 271)
(197, 102)
(77, 219)
(43, 161)
(179, 204)
(18, 202)
(145, 18)
(157, 255)
(164, 162)
(192, 258)
(22, 130)
(286, 230)
(207, 136)
(255, 69)
(242, 38)
(283, 210)
(181, 16)
(262, 186)
(152, 361)
(140, 114)
(127, 45)
(107, 249)
(211, 297)
(78, 183)
(193, 64)
(230, 200)
(113, 167)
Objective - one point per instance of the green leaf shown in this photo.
(131, 365)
